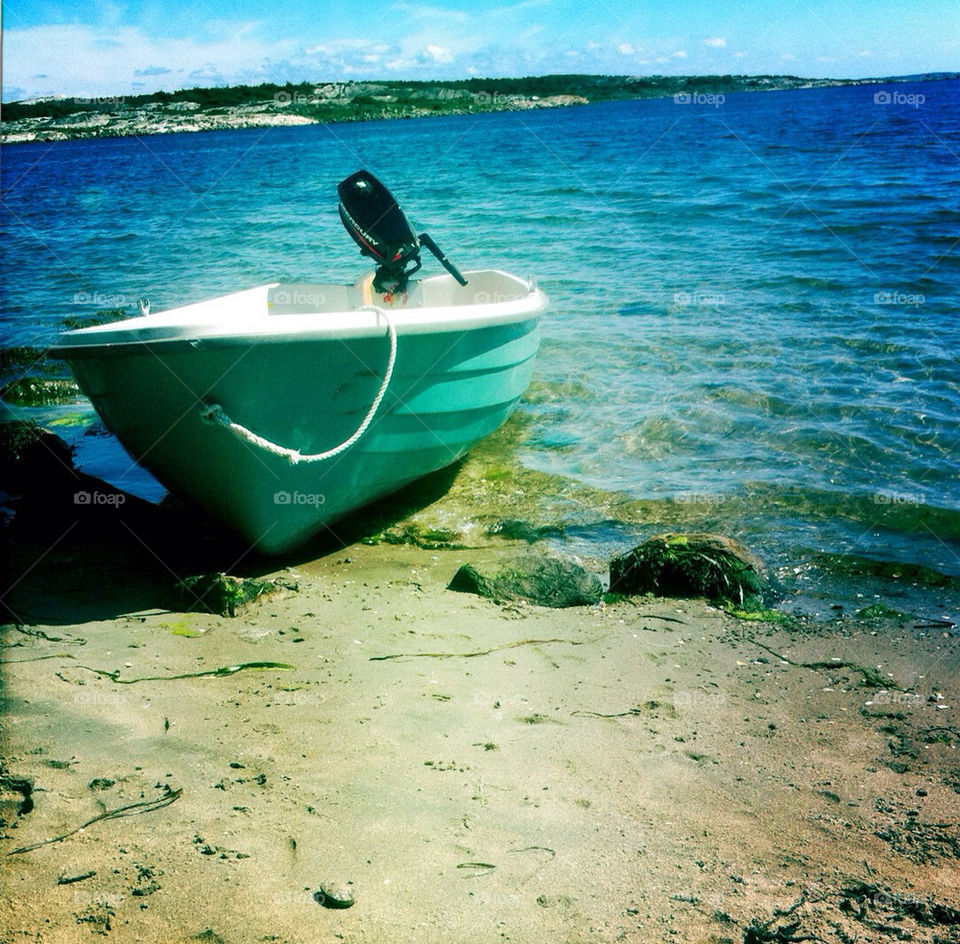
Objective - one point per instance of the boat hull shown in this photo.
(451, 386)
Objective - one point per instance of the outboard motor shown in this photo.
(382, 231)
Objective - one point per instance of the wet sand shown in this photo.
(644, 770)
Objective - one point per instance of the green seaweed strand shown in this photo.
(209, 673)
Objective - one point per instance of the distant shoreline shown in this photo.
(271, 105)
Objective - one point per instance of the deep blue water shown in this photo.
(754, 302)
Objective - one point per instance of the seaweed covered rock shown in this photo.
(38, 465)
(224, 594)
(31, 456)
(546, 581)
(691, 565)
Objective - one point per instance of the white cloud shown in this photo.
(440, 53)
(716, 42)
(92, 61)
(680, 54)
(626, 49)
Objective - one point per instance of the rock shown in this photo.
(37, 465)
(546, 581)
(691, 565)
(335, 895)
(223, 594)
(15, 798)
(880, 611)
(208, 936)
(430, 539)
(31, 456)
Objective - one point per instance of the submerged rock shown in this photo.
(853, 565)
(40, 391)
(517, 529)
(691, 565)
(22, 359)
(880, 611)
(101, 316)
(546, 581)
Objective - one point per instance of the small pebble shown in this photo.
(334, 895)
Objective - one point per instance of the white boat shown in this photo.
(283, 408)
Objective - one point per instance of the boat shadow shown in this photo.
(107, 553)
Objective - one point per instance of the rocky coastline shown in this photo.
(271, 105)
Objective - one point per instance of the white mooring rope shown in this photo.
(214, 414)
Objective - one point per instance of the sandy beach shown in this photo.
(642, 770)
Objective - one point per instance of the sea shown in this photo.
(754, 324)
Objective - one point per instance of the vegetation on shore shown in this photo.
(307, 102)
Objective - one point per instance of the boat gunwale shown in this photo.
(133, 335)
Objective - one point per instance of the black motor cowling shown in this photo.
(381, 229)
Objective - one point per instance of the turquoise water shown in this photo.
(754, 302)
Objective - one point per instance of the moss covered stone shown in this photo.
(691, 565)
(546, 581)
(224, 594)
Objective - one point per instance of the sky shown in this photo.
(104, 48)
